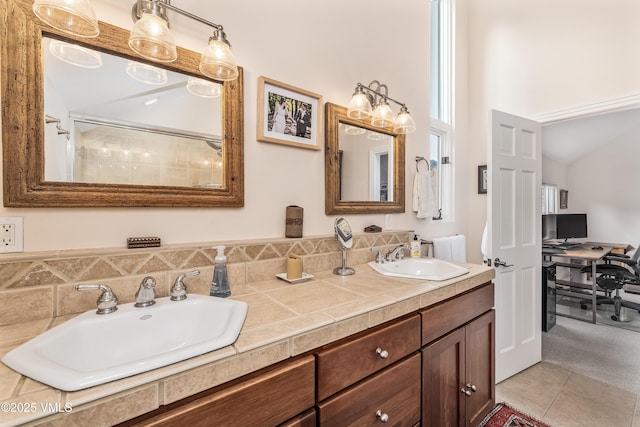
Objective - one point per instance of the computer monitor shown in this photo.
(571, 226)
(548, 227)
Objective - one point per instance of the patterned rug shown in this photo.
(505, 416)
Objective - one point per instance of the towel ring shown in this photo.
(420, 159)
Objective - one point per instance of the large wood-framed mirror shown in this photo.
(364, 166)
(27, 159)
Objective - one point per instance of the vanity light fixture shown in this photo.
(146, 73)
(151, 39)
(150, 36)
(203, 88)
(371, 102)
(75, 17)
(75, 55)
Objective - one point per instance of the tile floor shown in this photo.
(562, 398)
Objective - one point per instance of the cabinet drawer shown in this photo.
(394, 392)
(344, 364)
(307, 419)
(267, 399)
(447, 316)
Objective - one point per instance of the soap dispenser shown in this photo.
(220, 283)
(415, 247)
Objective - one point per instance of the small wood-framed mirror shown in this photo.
(26, 157)
(364, 166)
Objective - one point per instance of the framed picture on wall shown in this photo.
(564, 199)
(288, 115)
(482, 179)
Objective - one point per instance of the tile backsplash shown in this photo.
(41, 285)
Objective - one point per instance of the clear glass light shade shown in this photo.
(146, 73)
(218, 62)
(354, 130)
(75, 55)
(151, 39)
(203, 88)
(359, 107)
(382, 115)
(75, 17)
(404, 123)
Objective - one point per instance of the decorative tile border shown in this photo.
(41, 280)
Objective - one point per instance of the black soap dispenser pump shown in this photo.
(220, 283)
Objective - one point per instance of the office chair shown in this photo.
(613, 277)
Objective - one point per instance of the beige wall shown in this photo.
(325, 47)
(537, 56)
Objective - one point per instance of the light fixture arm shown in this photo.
(167, 4)
(360, 88)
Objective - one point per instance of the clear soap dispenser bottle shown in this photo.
(220, 283)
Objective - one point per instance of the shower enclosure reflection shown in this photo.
(115, 121)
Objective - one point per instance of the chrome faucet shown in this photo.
(179, 289)
(379, 255)
(146, 294)
(397, 253)
(107, 301)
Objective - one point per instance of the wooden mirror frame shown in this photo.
(334, 115)
(23, 124)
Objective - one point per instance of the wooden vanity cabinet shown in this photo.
(420, 369)
(458, 367)
(269, 397)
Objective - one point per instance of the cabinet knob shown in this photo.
(382, 354)
(472, 387)
(465, 391)
(382, 417)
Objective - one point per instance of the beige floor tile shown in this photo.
(571, 409)
(533, 390)
(599, 393)
(636, 417)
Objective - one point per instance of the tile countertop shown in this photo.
(284, 320)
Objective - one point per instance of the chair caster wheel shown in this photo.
(583, 306)
(614, 318)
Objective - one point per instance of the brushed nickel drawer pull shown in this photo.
(472, 387)
(382, 417)
(465, 391)
(382, 354)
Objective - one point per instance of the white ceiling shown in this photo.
(567, 141)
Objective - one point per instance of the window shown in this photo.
(440, 141)
(549, 198)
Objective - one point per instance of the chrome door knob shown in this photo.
(472, 387)
(465, 391)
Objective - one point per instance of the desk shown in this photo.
(584, 252)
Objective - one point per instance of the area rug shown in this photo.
(505, 416)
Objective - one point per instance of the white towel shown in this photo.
(442, 248)
(484, 245)
(458, 248)
(423, 200)
(452, 248)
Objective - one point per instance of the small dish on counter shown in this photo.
(304, 278)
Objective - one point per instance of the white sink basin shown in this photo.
(93, 349)
(420, 268)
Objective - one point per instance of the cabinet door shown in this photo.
(480, 361)
(443, 376)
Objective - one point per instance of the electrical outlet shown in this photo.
(11, 234)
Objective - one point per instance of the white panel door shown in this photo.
(514, 235)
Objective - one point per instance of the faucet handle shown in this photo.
(107, 301)
(179, 289)
(146, 294)
(379, 255)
